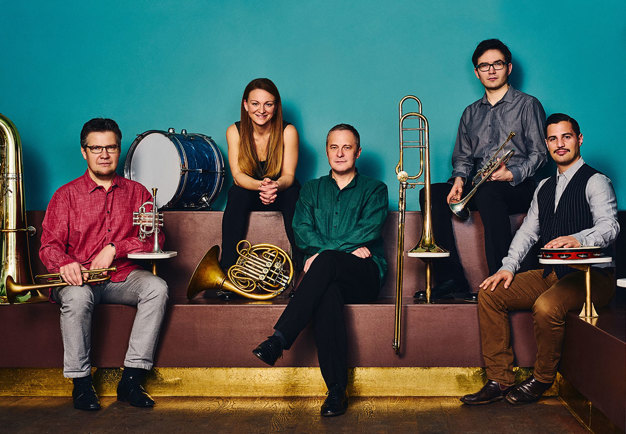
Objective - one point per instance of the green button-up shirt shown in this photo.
(328, 218)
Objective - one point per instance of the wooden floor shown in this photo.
(300, 415)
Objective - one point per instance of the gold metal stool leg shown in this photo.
(588, 312)
(428, 278)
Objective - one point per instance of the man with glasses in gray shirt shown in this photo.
(484, 126)
(575, 207)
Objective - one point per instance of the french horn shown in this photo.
(262, 272)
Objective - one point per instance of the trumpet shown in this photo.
(458, 208)
(52, 280)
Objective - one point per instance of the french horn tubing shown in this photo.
(262, 272)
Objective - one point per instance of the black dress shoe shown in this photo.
(336, 402)
(269, 350)
(130, 390)
(527, 391)
(490, 392)
(84, 396)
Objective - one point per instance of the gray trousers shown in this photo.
(141, 288)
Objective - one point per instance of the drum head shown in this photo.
(155, 162)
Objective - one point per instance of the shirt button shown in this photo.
(109, 230)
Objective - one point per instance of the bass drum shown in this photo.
(187, 169)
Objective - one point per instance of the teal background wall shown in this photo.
(184, 64)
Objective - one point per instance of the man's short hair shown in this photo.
(100, 125)
(346, 127)
(491, 44)
(555, 118)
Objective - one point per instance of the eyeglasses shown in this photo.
(497, 65)
(111, 149)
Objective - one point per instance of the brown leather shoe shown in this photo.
(527, 391)
(490, 392)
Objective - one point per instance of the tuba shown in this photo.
(426, 249)
(458, 208)
(262, 272)
(14, 249)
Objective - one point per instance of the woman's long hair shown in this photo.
(248, 158)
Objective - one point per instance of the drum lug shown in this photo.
(171, 130)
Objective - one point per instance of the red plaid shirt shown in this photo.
(82, 218)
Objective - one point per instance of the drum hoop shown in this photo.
(131, 152)
(184, 164)
(219, 182)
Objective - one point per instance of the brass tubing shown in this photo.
(459, 208)
(15, 289)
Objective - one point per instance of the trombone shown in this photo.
(97, 275)
(426, 247)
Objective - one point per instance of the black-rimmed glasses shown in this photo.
(497, 65)
(111, 149)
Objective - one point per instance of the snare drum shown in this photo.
(187, 169)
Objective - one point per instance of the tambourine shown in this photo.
(571, 253)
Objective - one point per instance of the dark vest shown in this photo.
(572, 214)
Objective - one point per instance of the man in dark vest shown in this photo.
(575, 207)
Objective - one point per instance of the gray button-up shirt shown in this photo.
(483, 128)
(602, 204)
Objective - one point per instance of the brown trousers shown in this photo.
(549, 299)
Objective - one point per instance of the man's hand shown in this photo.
(564, 241)
(309, 261)
(362, 252)
(492, 281)
(502, 174)
(72, 273)
(456, 191)
(104, 259)
(268, 191)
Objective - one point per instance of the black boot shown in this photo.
(269, 350)
(130, 389)
(527, 391)
(491, 392)
(84, 395)
(336, 402)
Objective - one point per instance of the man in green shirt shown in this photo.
(338, 223)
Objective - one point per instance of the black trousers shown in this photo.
(237, 213)
(334, 279)
(495, 201)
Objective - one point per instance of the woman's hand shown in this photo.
(268, 191)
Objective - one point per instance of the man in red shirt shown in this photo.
(89, 225)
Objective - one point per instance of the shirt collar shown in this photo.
(569, 173)
(351, 184)
(508, 96)
(90, 185)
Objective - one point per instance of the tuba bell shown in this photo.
(14, 230)
(262, 272)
